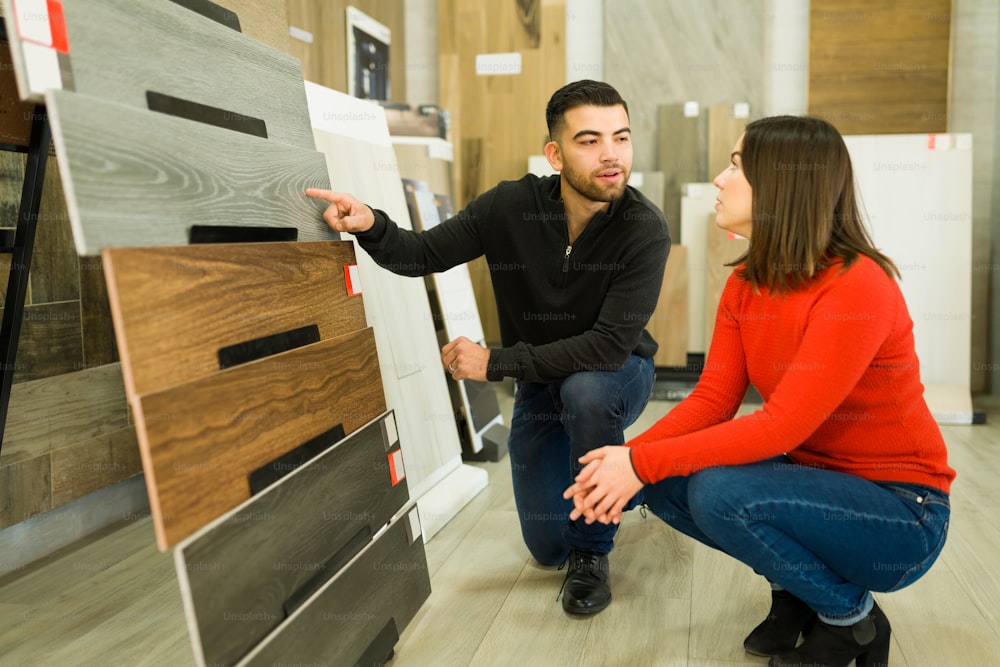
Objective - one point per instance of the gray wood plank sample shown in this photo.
(138, 178)
(237, 578)
(200, 440)
(387, 582)
(120, 49)
(211, 296)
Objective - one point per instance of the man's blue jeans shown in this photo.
(551, 427)
(829, 538)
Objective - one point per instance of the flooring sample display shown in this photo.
(138, 178)
(15, 115)
(360, 159)
(116, 50)
(669, 323)
(357, 616)
(325, 512)
(697, 219)
(183, 290)
(201, 440)
(682, 131)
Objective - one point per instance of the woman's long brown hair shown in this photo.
(805, 212)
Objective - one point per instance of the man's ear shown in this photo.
(554, 155)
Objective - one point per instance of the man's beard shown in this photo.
(595, 191)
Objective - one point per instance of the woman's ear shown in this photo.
(553, 153)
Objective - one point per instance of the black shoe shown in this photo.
(779, 632)
(867, 641)
(586, 589)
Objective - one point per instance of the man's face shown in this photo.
(594, 151)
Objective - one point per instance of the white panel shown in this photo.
(584, 40)
(919, 205)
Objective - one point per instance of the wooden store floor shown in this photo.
(115, 601)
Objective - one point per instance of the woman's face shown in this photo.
(734, 205)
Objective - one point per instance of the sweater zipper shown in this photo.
(569, 249)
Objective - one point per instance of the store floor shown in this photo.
(114, 600)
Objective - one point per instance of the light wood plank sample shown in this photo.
(669, 324)
(387, 582)
(199, 294)
(327, 509)
(120, 49)
(138, 178)
(682, 131)
(264, 20)
(726, 123)
(201, 439)
(722, 248)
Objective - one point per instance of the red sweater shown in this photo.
(836, 365)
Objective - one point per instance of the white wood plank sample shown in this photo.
(136, 178)
(355, 138)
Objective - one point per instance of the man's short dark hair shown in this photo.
(578, 94)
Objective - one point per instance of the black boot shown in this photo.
(586, 589)
(779, 632)
(867, 641)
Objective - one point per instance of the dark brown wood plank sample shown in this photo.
(236, 568)
(15, 115)
(93, 465)
(139, 178)
(120, 49)
(211, 296)
(386, 583)
(200, 440)
(51, 341)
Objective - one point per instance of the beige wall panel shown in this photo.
(669, 324)
(86, 467)
(264, 20)
(324, 60)
(25, 490)
(723, 247)
(726, 123)
(63, 410)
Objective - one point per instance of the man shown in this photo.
(576, 261)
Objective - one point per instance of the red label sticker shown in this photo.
(353, 279)
(396, 471)
(57, 23)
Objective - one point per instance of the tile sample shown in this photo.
(357, 616)
(116, 50)
(137, 178)
(201, 440)
(325, 512)
(212, 296)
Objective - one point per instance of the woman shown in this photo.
(838, 486)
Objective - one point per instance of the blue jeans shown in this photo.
(551, 427)
(829, 538)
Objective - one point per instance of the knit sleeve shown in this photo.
(845, 326)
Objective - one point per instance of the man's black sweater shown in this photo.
(561, 308)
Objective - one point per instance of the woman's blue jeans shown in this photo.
(829, 538)
(551, 427)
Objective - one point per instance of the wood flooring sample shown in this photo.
(201, 440)
(134, 177)
(214, 295)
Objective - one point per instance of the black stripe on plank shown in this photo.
(237, 234)
(212, 11)
(203, 113)
(382, 648)
(266, 475)
(265, 346)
